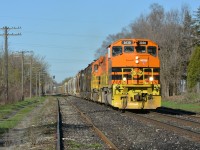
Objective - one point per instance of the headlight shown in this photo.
(151, 79)
(124, 78)
(136, 59)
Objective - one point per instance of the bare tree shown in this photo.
(15, 76)
(172, 30)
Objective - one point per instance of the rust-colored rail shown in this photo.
(181, 131)
(58, 134)
(192, 115)
(99, 133)
(178, 120)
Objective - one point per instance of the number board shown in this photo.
(127, 42)
(142, 42)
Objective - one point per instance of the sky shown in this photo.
(68, 32)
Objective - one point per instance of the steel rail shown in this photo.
(181, 131)
(58, 135)
(192, 115)
(180, 120)
(99, 133)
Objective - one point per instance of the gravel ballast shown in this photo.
(77, 134)
(128, 132)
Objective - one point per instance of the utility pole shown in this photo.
(39, 92)
(41, 77)
(22, 77)
(36, 85)
(6, 34)
(31, 77)
(37, 81)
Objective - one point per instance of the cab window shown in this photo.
(96, 68)
(128, 49)
(116, 50)
(140, 49)
(151, 50)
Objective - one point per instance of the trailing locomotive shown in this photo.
(127, 77)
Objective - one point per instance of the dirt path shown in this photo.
(36, 131)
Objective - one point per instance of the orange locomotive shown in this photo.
(127, 77)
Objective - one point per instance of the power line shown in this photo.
(6, 34)
(63, 47)
(66, 34)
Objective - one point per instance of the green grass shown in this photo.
(21, 108)
(186, 101)
(184, 106)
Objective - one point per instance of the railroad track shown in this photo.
(102, 136)
(188, 114)
(181, 126)
(128, 132)
(59, 144)
(183, 121)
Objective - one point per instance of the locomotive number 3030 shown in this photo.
(126, 42)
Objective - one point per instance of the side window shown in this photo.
(128, 49)
(140, 49)
(152, 50)
(116, 50)
(95, 68)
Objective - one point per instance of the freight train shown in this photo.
(126, 77)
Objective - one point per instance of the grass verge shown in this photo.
(35, 127)
(188, 101)
(12, 114)
(188, 107)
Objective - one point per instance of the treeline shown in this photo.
(178, 34)
(26, 68)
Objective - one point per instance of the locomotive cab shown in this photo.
(133, 72)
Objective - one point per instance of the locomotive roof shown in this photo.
(134, 39)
